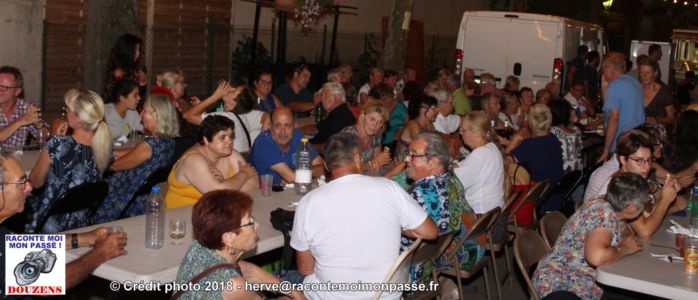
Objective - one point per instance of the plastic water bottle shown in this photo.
(693, 207)
(304, 172)
(154, 220)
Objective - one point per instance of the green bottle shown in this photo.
(319, 113)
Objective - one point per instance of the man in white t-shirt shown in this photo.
(446, 122)
(349, 230)
(579, 103)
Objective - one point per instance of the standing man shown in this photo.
(349, 229)
(655, 53)
(591, 77)
(623, 107)
(18, 117)
(274, 150)
(295, 94)
(576, 66)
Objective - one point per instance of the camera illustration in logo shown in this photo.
(35, 263)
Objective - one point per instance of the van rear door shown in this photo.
(534, 45)
(489, 34)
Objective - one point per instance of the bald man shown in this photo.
(274, 150)
(623, 106)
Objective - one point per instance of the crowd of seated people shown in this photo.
(391, 127)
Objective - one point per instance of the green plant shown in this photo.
(242, 64)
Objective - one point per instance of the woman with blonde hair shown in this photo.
(482, 172)
(540, 154)
(69, 161)
(369, 128)
(134, 166)
(173, 85)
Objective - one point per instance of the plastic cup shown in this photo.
(266, 182)
(680, 242)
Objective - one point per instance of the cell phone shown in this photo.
(277, 188)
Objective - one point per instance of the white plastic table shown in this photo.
(161, 265)
(642, 273)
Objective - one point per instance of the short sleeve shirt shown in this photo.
(19, 137)
(625, 95)
(287, 95)
(541, 156)
(657, 107)
(267, 153)
(566, 268)
(119, 126)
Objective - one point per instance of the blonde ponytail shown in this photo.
(89, 108)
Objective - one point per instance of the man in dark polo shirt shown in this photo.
(14, 188)
(338, 113)
(295, 95)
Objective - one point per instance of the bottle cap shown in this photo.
(155, 189)
(304, 140)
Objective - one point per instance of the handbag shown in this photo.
(282, 220)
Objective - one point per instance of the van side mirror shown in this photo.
(517, 69)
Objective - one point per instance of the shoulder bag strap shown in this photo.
(247, 133)
(201, 275)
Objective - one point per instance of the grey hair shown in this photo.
(488, 78)
(436, 147)
(335, 89)
(441, 95)
(454, 80)
(333, 75)
(626, 189)
(340, 150)
(485, 100)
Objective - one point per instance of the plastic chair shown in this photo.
(482, 226)
(85, 196)
(532, 196)
(430, 250)
(158, 176)
(529, 249)
(551, 226)
(401, 265)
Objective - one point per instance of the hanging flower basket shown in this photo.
(306, 12)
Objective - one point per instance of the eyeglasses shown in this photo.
(22, 182)
(251, 223)
(640, 161)
(414, 155)
(5, 88)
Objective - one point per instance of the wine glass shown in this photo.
(178, 229)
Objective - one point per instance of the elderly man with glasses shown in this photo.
(106, 245)
(441, 194)
(18, 117)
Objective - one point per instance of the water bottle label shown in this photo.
(304, 176)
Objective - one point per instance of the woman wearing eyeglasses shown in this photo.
(634, 154)
(422, 118)
(223, 229)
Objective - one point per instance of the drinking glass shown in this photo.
(178, 229)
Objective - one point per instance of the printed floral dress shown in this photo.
(123, 184)
(565, 268)
(72, 164)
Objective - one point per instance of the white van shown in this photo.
(535, 48)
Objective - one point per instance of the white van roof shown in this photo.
(527, 16)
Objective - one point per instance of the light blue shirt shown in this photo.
(625, 95)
